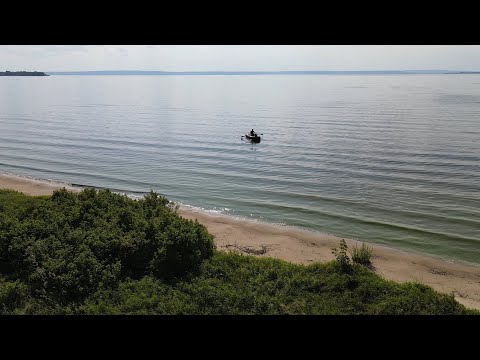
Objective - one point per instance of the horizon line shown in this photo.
(240, 72)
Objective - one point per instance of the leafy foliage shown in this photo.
(238, 284)
(103, 253)
(70, 245)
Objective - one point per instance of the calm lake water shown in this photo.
(393, 160)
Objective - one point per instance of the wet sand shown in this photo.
(305, 247)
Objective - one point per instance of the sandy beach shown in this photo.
(31, 186)
(305, 247)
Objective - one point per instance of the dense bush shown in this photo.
(103, 253)
(70, 245)
(13, 295)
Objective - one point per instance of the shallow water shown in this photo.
(391, 159)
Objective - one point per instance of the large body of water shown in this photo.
(393, 160)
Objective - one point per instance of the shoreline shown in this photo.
(305, 247)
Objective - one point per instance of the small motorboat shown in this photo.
(253, 139)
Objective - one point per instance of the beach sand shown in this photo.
(305, 247)
(31, 186)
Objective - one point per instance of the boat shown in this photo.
(253, 139)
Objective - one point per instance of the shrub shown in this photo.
(182, 247)
(12, 295)
(362, 255)
(71, 245)
(341, 256)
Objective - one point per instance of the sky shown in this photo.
(238, 57)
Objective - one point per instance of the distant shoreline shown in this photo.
(22, 73)
(304, 247)
(170, 73)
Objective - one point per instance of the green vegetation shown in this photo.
(103, 253)
(342, 258)
(362, 255)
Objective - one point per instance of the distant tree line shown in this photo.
(22, 73)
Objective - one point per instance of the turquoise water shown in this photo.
(393, 160)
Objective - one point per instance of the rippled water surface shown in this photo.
(393, 160)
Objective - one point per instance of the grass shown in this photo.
(362, 255)
(241, 284)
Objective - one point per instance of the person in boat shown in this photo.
(252, 133)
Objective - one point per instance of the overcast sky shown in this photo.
(238, 57)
